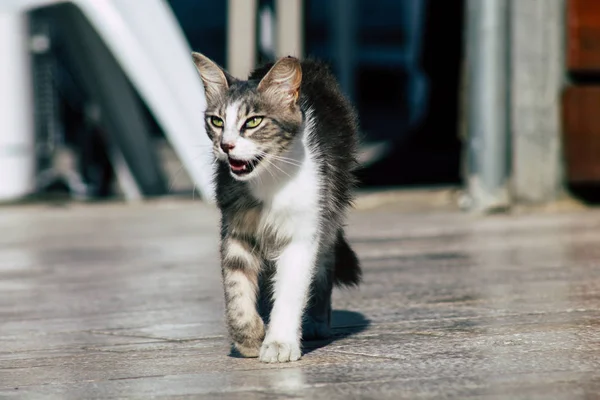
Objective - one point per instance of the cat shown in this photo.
(285, 142)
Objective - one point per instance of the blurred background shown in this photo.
(100, 99)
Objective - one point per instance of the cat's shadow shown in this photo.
(344, 324)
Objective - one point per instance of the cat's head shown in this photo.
(251, 123)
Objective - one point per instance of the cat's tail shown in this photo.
(346, 271)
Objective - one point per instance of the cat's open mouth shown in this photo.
(243, 167)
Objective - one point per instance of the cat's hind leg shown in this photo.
(340, 267)
(317, 319)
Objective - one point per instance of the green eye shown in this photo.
(216, 121)
(253, 122)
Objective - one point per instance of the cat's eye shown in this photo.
(253, 122)
(216, 121)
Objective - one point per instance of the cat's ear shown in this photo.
(215, 80)
(282, 82)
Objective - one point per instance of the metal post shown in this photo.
(488, 112)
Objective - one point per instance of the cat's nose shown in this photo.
(227, 146)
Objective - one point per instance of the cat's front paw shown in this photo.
(273, 352)
(247, 338)
(247, 348)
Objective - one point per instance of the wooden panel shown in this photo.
(583, 32)
(581, 119)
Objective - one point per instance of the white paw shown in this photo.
(272, 352)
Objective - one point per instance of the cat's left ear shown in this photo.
(282, 82)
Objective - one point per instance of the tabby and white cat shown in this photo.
(286, 142)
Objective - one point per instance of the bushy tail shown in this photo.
(347, 268)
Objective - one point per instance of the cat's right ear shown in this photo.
(215, 80)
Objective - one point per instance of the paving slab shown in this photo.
(117, 300)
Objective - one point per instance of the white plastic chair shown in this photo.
(146, 41)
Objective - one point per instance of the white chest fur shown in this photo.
(290, 192)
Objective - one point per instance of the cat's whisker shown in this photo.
(210, 164)
(288, 162)
(268, 170)
(267, 156)
(286, 158)
(281, 158)
(173, 180)
(282, 171)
